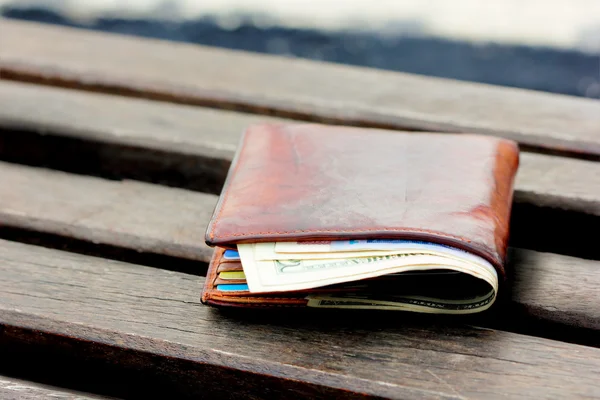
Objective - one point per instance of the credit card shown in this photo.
(233, 288)
(232, 275)
(231, 255)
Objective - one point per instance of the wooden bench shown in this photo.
(113, 150)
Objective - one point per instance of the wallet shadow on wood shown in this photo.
(338, 320)
(505, 315)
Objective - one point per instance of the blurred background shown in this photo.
(547, 45)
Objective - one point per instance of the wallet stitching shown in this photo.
(260, 298)
(260, 305)
(352, 230)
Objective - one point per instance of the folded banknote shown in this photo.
(397, 274)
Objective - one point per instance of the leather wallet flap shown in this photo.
(314, 182)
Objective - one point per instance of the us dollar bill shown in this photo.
(279, 275)
(403, 303)
(361, 248)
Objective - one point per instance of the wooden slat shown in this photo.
(102, 308)
(293, 88)
(543, 180)
(559, 182)
(556, 288)
(11, 388)
(123, 121)
(127, 214)
(170, 221)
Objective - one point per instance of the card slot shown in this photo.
(232, 275)
(243, 288)
(220, 281)
(223, 260)
(231, 255)
(229, 266)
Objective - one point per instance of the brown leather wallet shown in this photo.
(313, 182)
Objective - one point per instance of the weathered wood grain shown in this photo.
(101, 308)
(559, 182)
(212, 136)
(293, 88)
(156, 219)
(124, 121)
(127, 214)
(16, 389)
(556, 288)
